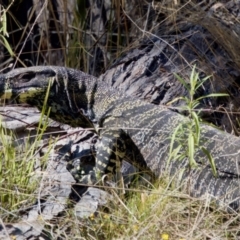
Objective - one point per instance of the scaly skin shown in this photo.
(131, 129)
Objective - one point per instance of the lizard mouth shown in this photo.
(22, 94)
(22, 86)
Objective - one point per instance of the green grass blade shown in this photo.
(7, 46)
(173, 138)
(197, 127)
(182, 81)
(191, 150)
(211, 161)
(213, 95)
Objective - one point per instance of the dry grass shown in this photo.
(160, 212)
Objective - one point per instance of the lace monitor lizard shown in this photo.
(128, 128)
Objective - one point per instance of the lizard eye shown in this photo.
(25, 77)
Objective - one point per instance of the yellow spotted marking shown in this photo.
(102, 164)
(113, 160)
(7, 94)
(110, 169)
(31, 92)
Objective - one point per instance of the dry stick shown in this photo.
(25, 41)
(5, 230)
(154, 35)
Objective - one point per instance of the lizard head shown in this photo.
(24, 84)
(47, 86)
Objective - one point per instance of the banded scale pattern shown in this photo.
(131, 129)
